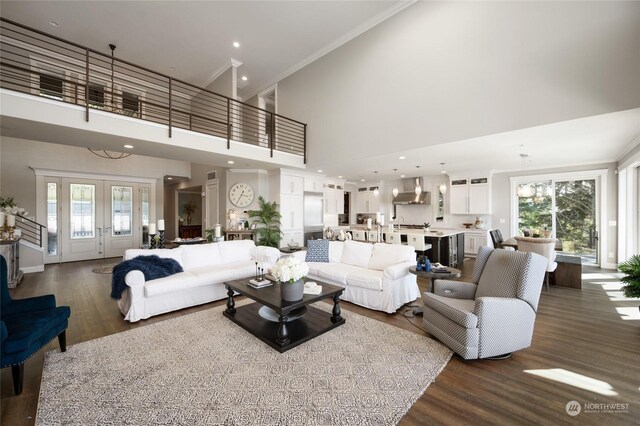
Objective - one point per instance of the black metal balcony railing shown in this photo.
(37, 63)
(31, 230)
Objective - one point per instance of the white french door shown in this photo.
(92, 218)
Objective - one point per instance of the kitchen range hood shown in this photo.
(408, 196)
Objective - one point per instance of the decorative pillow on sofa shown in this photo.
(317, 251)
(357, 254)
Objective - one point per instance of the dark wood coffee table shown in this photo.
(306, 321)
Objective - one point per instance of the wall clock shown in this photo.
(241, 194)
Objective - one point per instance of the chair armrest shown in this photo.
(398, 270)
(269, 255)
(3, 331)
(30, 304)
(455, 289)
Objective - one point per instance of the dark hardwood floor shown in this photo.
(586, 348)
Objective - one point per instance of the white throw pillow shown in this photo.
(175, 254)
(389, 254)
(195, 256)
(357, 254)
(236, 251)
(335, 251)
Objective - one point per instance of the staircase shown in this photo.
(31, 251)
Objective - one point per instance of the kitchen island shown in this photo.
(447, 245)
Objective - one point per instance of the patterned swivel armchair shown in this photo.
(494, 315)
(27, 326)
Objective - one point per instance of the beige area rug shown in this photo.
(202, 369)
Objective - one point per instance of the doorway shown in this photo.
(566, 208)
(93, 218)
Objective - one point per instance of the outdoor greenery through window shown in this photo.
(564, 209)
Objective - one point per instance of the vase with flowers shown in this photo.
(290, 271)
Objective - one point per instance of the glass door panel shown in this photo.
(535, 200)
(575, 217)
(52, 219)
(122, 211)
(145, 209)
(83, 211)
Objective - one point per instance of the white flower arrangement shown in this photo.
(289, 269)
(9, 206)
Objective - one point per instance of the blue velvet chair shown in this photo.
(27, 326)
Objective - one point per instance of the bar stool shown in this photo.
(418, 243)
(372, 236)
(392, 238)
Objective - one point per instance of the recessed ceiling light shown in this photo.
(129, 146)
(230, 162)
(236, 44)
(53, 23)
(319, 171)
(361, 180)
(401, 176)
(172, 69)
(402, 157)
(169, 178)
(244, 78)
(339, 177)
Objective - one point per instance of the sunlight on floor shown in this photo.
(574, 379)
(630, 313)
(600, 276)
(611, 285)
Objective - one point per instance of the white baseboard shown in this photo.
(32, 269)
(609, 265)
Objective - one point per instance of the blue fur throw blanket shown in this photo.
(151, 266)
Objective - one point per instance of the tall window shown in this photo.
(83, 210)
(565, 209)
(52, 218)
(51, 87)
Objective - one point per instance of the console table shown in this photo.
(10, 249)
(239, 235)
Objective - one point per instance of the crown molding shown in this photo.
(217, 73)
(382, 16)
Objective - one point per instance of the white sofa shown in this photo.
(206, 268)
(375, 276)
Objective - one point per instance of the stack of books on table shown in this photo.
(440, 269)
(259, 284)
(311, 287)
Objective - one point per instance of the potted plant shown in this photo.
(189, 209)
(267, 220)
(426, 226)
(631, 269)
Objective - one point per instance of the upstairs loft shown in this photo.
(59, 91)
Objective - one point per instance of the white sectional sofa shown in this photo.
(206, 267)
(375, 276)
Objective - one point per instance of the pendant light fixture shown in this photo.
(524, 190)
(443, 186)
(418, 189)
(113, 91)
(395, 191)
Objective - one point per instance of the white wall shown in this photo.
(445, 71)
(258, 180)
(19, 181)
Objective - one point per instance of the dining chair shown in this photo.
(496, 238)
(393, 238)
(543, 246)
(359, 235)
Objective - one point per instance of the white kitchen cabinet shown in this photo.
(291, 185)
(333, 198)
(473, 240)
(313, 184)
(470, 196)
(367, 201)
(291, 209)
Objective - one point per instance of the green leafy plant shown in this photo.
(426, 225)
(631, 269)
(267, 220)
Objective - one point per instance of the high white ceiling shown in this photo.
(278, 37)
(196, 37)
